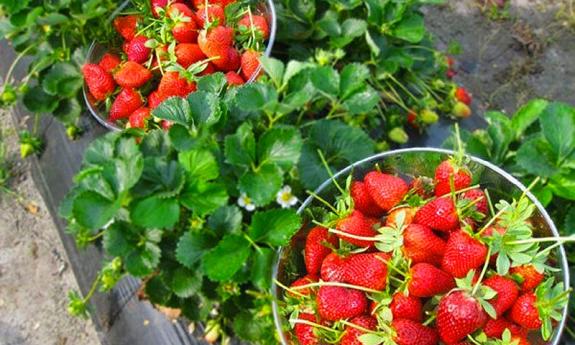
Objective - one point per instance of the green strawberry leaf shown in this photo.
(240, 148)
(192, 246)
(262, 184)
(160, 178)
(203, 197)
(411, 29)
(200, 164)
(38, 101)
(558, 125)
(226, 219)
(371, 339)
(274, 68)
(155, 212)
(352, 79)
(326, 80)
(212, 83)
(261, 268)
(185, 282)
(275, 227)
(63, 79)
(563, 186)
(142, 261)
(350, 29)
(227, 258)
(538, 147)
(527, 115)
(91, 210)
(205, 108)
(280, 145)
(156, 143)
(175, 109)
(362, 101)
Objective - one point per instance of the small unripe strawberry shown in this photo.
(461, 110)
(429, 116)
(398, 135)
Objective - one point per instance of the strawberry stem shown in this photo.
(393, 267)
(336, 284)
(313, 324)
(365, 330)
(558, 239)
(343, 233)
(483, 271)
(489, 202)
(430, 319)
(323, 201)
(288, 289)
(329, 172)
(471, 339)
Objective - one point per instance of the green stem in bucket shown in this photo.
(345, 234)
(483, 271)
(313, 324)
(335, 284)
(288, 289)
(559, 239)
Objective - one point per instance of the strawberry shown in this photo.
(132, 75)
(260, 25)
(516, 340)
(412, 118)
(336, 303)
(234, 79)
(229, 60)
(250, 63)
(222, 3)
(448, 170)
(137, 50)
(154, 100)
(126, 26)
(210, 69)
(421, 244)
(176, 10)
(406, 307)
(507, 292)
(100, 83)
(462, 95)
(351, 334)
(316, 249)
(308, 279)
(463, 253)
(188, 53)
(166, 125)
(138, 119)
(528, 275)
(157, 4)
(215, 14)
(459, 314)
(109, 62)
(305, 333)
(422, 186)
(439, 214)
(426, 280)
(216, 41)
(525, 313)
(358, 225)
(494, 328)
(172, 84)
(409, 332)
(392, 218)
(450, 73)
(386, 190)
(362, 201)
(368, 270)
(127, 101)
(333, 268)
(461, 110)
(479, 196)
(185, 32)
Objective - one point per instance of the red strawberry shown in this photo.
(100, 83)
(412, 118)
(463, 253)
(234, 79)
(215, 14)
(409, 332)
(185, 32)
(439, 214)
(427, 280)
(368, 270)
(109, 62)
(250, 63)
(507, 292)
(495, 328)
(333, 268)
(408, 213)
(180, 10)
(406, 307)
(154, 100)
(450, 73)
(126, 26)
(525, 313)
(421, 244)
(222, 3)
(210, 69)
(386, 190)
(260, 24)
(530, 277)
(305, 333)
(461, 110)
(362, 201)
(422, 186)
(358, 225)
(188, 53)
(137, 50)
(337, 303)
(459, 315)
(157, 4)
(520, 340)
(216, 41)
(166, 125)
(127, 101)
(308, 279)
(479, 195)
(229, 60)
(316, 249)
(445, 172)
(138, 118)
(172, 84)
(132, 75)
(462, 95)
(352, 334)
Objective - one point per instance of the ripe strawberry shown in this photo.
(409, 332)
(477, 194)
(260, 24)
(333, 268)
(458, 315)
(421, 244)
(216, 41)
(439, 214)
(463, 253)
(188, 53)
(427, 280)
(166, 125)
(100, 83)
(352, 334)
(337, 303)
(507, 292)
(305, 333)
(250, 63)
(222, 3)
(180, 10)
(461, 110)
(386, 190)
(308, 279)
(529, 276)
(127, 101)
(525, 313)
(185, 32)
(358, 225)
(215, 14)
(408, 213)
(494, 328)
(126, 26)
(316, 249)
(138, 119)
(172, 84)
(234, 79)
(362, 201)
(137, 50)
(229, 60)
(154, 100)
(406, 307)
(412, 118)
(210, 69)
(448, 170)
(132, 75)
(368, 270)
(462, 95)
(109, 62)
(157, 4)
(450, 73)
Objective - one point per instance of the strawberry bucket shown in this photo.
(405, 163)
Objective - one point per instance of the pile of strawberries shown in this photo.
(423, 261)
(167, 47)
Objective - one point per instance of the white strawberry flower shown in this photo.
(246, 202)
(285, 197)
